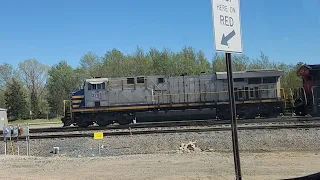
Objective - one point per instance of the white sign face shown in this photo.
(227, 27)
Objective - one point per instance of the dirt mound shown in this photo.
(189, 147)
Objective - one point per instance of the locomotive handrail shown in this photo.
(313, 98)
(282, 93)
(156, 97)
(314, 103)
(215, 92)
(282, 96)
(305, 95)
(64, 107)
(292, 98)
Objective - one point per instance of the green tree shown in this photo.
(157, 61)
(162, 61)
(114, 64)
(34, 75)
(15, 100)
(188, 60)
(62, 79)
(262, 62)
(219, 63)
(44, 109)
(239, 63)
(202, 63)
(140, 63)
(91, 65)
(6, 72)
(290, 79)
(2, 101)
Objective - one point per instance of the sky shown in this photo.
(51, 31)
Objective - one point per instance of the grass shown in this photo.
(36, 121)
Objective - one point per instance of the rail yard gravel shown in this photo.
(252, 141)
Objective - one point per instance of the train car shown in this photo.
(307, 98)
(162, 98)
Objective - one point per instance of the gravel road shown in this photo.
(249, 141)
(191, 166)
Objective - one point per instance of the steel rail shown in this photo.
(209, 122)
(166, 131)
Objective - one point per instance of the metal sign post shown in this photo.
(27, 145)
(98, 136)
(234, 128)
(227, 35)
(5, 146)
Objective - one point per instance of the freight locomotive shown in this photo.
(307, 98)
(161, 98)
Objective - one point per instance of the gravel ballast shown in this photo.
(252, 141)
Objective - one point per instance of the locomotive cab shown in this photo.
(307, 98)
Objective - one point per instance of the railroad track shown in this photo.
(210, 122)
(176, 124)
(166, 131)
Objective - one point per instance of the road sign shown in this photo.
(227, 27)
(24, 131)
(98, 135)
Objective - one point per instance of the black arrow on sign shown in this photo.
(225, 39)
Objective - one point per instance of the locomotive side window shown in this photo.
(269, 79)
(254, 80)
(238, 80)
(140, 79)
(98, 86)
(130, 80)
(93, 86)
(160, 80)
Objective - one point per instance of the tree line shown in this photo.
(36, 90)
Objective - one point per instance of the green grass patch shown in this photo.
(36, 121)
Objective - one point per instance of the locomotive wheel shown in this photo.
(124, 122)
(83, 125)
(104, 122)
(272, 115)
(80, 121)
(125, 119)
